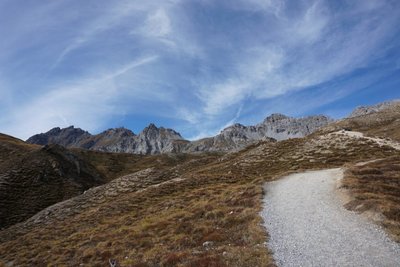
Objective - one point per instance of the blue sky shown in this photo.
(192, 65)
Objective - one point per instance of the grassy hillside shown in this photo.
(114, 165)
(385, 123)
(375, 188)
(34, 177)
(208, 215)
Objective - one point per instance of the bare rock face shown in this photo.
(281, 127)
(112, 140)
(365, 110)
(152, 140)
(275, 127)
(156, 140)
(65, 137)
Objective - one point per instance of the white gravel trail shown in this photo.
(308, 225)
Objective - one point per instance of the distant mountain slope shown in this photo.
(381, 120)
(275, 127)
(154, 140)
(365, 110)
(67, 137)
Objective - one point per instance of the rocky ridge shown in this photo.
(275, 127)
(365, 110)
(152, 140)
(381, 120)
(157, 140)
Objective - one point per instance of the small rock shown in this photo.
(196, 252)
(208, 244)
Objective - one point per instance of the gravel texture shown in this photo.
(308, 225)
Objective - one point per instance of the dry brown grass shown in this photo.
(114, 165)
(376, 191)
(217, 200)
(384, 124)
(11, 147)
(34, 177)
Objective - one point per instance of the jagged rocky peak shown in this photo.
(70, 130)
(151, 127)
(233, 127)
(275, 117)
(152, 131)
(65, 136)
(365, 110)
(56, 130)
(154, 140)
(121, 132)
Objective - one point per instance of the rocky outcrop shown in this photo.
(281, 127)
(156, 140)
(365, 110)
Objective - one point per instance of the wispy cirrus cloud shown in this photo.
(197, 64)
(313, 47)
(89, 101)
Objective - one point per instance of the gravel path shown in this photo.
(308, 225)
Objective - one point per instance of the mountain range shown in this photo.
(65, 202)
(156, 140)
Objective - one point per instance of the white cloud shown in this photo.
(112, 17)
(187, 115)
(158, 27)
(310, 26)
(250, 74)
(271, 6)
(158, 24)
(167, 27)
(233, 120)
